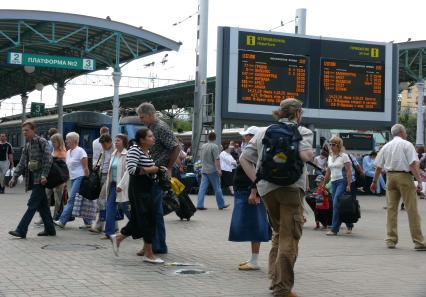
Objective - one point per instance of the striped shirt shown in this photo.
(137, 159)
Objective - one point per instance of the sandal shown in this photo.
(248, 266)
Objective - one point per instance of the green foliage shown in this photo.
(185, 125)
(409, 120)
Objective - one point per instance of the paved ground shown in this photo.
(347, 265)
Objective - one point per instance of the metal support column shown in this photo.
(420, 126)
(218, 91)
(24, 99)
(116, 77)
(300, 21)
(60, 90)
(200, 89)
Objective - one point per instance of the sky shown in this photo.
(363, 20)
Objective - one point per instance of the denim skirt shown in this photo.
(249, 222)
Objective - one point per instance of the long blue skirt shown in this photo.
(249, 222)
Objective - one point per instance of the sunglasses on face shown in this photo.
(333, 144)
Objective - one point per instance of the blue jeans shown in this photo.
(159, 245)
(66, 213)
(214, 180)
(37, 202)
(111, 209)
(338, 189)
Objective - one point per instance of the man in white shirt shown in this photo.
(96, 146)
(399, 158)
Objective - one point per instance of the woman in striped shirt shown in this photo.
(142, 171)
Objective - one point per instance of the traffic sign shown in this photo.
(64, 62)
(37, 109)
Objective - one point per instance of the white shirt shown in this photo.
(97, 147)
(106, 159)
(396, 155)
(73, 161)
(336, 165)
(227, 162)
(320, 161)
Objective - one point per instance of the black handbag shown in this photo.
(170, 202)
(90, 187)
(58, 174)
(163, 179)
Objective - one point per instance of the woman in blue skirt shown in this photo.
(249, 219)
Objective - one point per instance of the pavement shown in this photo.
(78, 263)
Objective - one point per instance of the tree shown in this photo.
(409, 120)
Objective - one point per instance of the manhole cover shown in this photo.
(190, 271)
(71, 247)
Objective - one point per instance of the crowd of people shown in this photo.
(269, 183)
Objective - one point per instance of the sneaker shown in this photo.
(84, 227)
(331, 233)
(420, 248)
(390, 245)
(59, 224)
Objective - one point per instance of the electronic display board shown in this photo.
(342, 83)
(265, 78)
(352, 85)
(358, 141)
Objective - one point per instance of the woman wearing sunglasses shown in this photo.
(338, 161)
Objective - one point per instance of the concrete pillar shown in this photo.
(420, 114)
(60, 90)
(24, 99)
(116, 77)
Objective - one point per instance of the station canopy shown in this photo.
(412, 61)
(38, 33)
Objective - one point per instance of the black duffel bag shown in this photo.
(90, 187)
(349, 209)
(58, 174)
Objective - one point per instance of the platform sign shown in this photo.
(64, 62)
(37, 109)
(342, 83)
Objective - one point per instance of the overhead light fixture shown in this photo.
(29, 69)
(39, 86)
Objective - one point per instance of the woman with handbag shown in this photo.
(143, 175)
(117, 183)
(59, 152)
(338, 160)
(76, 159)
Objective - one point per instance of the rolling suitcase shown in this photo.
(187, 208)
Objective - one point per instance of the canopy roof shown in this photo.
(412, 61)
(110, 43)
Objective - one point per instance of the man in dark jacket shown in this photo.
(36, 161)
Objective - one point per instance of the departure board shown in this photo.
(267, 78)
(352, 85)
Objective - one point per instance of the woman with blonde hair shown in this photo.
(338, 161)
(58, 152)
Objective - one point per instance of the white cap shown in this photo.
(250, 130)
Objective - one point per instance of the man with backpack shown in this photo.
(280, 152)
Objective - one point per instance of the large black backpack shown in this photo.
(281, 163)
